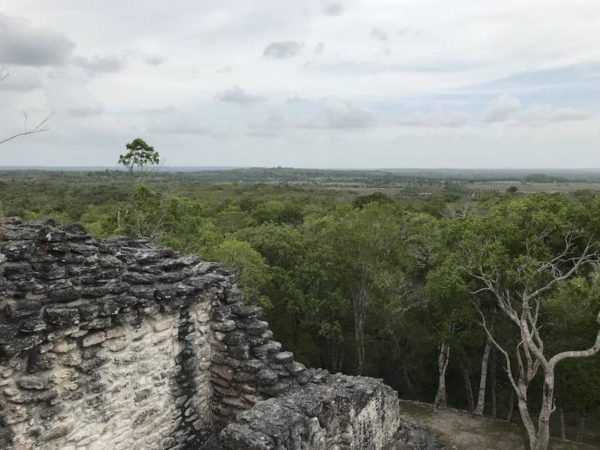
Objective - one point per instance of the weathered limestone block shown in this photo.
(357, 412)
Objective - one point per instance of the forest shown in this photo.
(489, 303)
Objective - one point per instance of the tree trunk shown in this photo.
(526, 417)
(493, 397)
(561, 416)
(483, 378)
(443, 359)
(360, 343)
(359, 305)
(468, 388)
(511, 406)
(543, 431)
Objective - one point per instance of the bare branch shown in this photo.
(41, 127)
(587, 257)
(577, 354)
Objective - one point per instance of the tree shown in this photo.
(254, 271)
(40, 127)
(363, 244)
(518, 256)
(139, 155)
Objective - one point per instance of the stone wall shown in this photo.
(119, 343)
(332, 412)
(123, 344)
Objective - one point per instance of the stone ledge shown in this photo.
(332, 411)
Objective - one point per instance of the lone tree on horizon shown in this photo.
(139, 154)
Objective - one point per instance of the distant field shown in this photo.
(523, 186)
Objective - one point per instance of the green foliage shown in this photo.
(306, 253)
(254, 270)
(376, 197)
(139, 154)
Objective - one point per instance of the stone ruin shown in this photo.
(122, 344)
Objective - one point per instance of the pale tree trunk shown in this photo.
(525, 416)
(468, 388)
(483, 378)
(493, 397)
(359, 309)
(523, 309)
(543, 431)
(443, 359)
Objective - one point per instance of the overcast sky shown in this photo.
(304, 83)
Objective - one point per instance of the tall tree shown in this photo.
(518, 256)
(139, 154)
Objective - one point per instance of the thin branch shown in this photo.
(42, 126)
(577, 354)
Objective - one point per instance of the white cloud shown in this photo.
(341, 115)
(272, 123)
(438, 118)
(334, 9)
(502, 108)
(69, 96)
(100, 64)
(542, 114)
(152, 59)
(282, 49)
(506, 108)
(21, 79)
(238, 95)
(378, 34)
(439, 78)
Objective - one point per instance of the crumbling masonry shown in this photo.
(121, 344)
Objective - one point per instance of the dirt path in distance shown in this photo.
(463, 431)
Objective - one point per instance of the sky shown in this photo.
(303, 83)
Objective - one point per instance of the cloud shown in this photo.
(152, 59)
(506, 108)
(92, 109)
(282, 49)
(22, 80)
(342, 115)
(378, 34)
(225, 69)
(349, 115)
(238, 95)
(319, 48)
(100, 64)
(69, 96)
(439, 118)
(501, 109)
(334, 9)
(23, 44)
(179, 124)
(272, 124)
(543, 114)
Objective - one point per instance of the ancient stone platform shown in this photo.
(123, 344)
